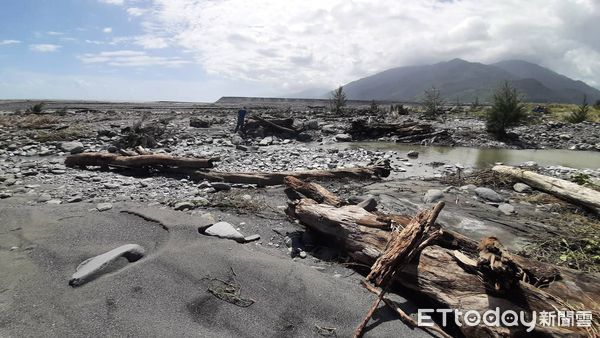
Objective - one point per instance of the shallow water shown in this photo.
(483, 157)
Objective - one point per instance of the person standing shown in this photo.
(241, 119)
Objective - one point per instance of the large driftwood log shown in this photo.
(566, 190)
(139, 161)
(440, 276)
(276, 178)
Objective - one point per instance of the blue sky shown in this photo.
(199, 50)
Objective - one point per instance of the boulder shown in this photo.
(73, 147)
(413, 154)
(488, 194)
(224, 230)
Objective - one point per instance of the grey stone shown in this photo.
(75, 199)
(5, 195)
(368, 204)
(433, 195)
(468, 187)
(252, 238)
(103, 206)
(506, 209)
(343, 137)
(488, 194)
(72, 147)
(302, 254)
(413, 154)
(54, 201)
(521, 187)
(221, 186)
(111, 185)
(184, 205)
(91, 267)
(44, 197)
(266, 141)
(224, 230)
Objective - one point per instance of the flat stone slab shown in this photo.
(224, 230)
(94, 266)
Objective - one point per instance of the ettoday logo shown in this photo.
(508, 318)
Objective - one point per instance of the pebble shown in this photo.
(413, 154)
(488, 194)
(521, 187)
(224, 230)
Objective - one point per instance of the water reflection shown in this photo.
(474, 157)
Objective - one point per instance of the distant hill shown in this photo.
(464, 81)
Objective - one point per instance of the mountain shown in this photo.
(310, 93)
(461, 80)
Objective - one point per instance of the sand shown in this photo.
(164, 293)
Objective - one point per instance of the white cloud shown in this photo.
(9, 42)
(113, 2)
(151, 42)
(305, 43)
(44, 48)
(54, 33)
(130, 58)
(107, 30)
(136, 11)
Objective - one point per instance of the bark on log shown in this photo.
(313, 191)
(361, 129)
(139, 161)
(566, 190)
(439, 276)
(276, 178)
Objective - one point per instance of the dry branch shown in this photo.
(313, 191)
(137, 161)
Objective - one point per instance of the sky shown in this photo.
(200, 50)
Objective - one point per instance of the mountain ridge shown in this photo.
(466, 81)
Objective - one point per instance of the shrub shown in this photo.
(507, 110)
(582, 112)
(337, 100)
(432, 101)
(36, 108)
(374, 108)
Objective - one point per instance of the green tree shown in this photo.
(581, 114)
(432, 101)
(507, 110)
(374, 108)
(337, 100)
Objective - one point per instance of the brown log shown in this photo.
(138, 161)
(276, 178)
(562, 189)
(439, 275)
(313, 191)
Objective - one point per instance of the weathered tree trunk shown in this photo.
(139, 161)
(276, 178)
(361, 129)
(440, 276)
(313, 191)
(566, 190)
(274, 125)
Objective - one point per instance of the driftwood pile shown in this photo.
(361, 129)
(449, 270)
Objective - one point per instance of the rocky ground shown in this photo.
(34, 180)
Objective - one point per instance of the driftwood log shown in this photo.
(314, 191)
(137, 161)
(447, 275)
(562, 189)
(276, 178)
